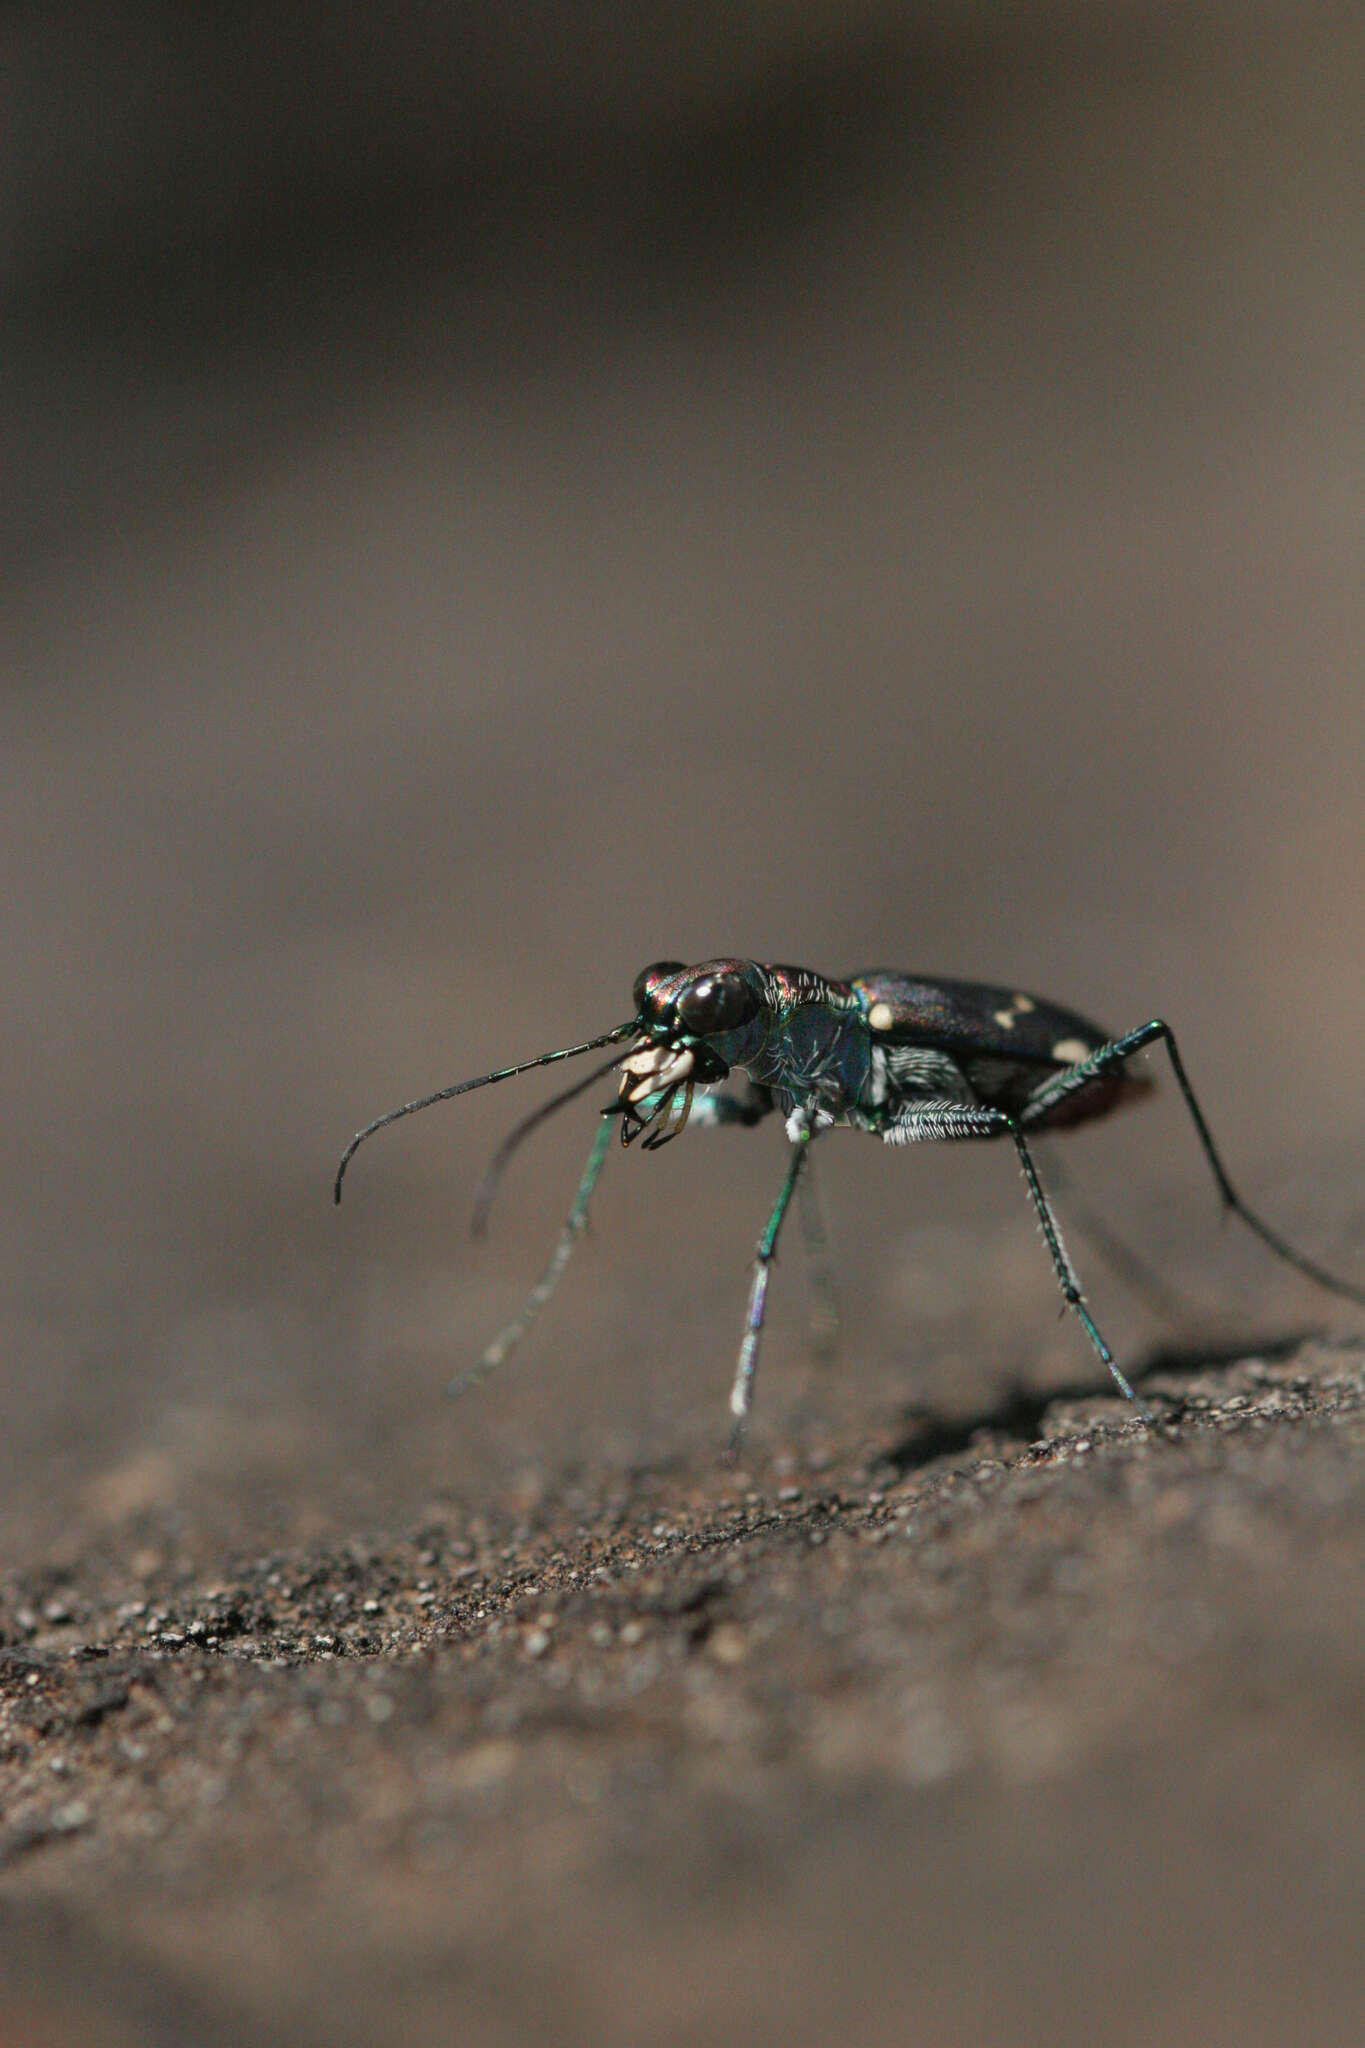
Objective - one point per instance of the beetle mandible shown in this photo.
(909, 1058)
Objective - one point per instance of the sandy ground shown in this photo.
(486, 510)
(1047, 1732)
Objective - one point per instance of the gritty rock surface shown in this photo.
(990, 1732)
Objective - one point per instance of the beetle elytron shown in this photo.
(908, 1058)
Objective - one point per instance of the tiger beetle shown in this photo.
(910, 1059)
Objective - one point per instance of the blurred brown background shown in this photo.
(492, 497)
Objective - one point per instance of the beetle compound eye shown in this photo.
(649, 978)
(718, 1002)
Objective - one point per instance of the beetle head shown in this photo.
(695, 1024)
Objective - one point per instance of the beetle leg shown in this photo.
(1066, 1277)
(497, 1165)
(1141, 1278)
(926, 1123)
(1046, 1098)
(948, 1120)
(575, 1223)
(742, 1391)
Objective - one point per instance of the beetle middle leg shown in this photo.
(1066, 1277)
(949, 1120)
(1137, 1273)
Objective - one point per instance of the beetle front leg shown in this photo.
(575, 1224)
(741, 1393)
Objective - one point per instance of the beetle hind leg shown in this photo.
(1054, 1092)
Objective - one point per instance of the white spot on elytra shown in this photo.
(1019, 1007)
(1069, 1050)
(881, 1016)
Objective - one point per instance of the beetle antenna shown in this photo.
(545, 1059)
(492, 1177)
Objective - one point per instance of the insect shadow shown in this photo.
(909, 1059)
(1021, 1412)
